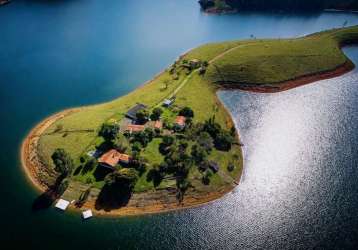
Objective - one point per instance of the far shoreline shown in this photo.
(32, 167)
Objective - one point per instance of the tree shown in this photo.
(156, 113)
(206, 176)
(142, 116)
(224, 141)
(137, 146)
(63, 162)
(212, 127)
(109, 131)
(230, 167)
(187, 112)
(206, 141)
(125, 178)
(120, 143)
(62, 187)
(198, 153)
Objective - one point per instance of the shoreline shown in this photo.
(32, 165)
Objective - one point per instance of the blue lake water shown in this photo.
(299, 187)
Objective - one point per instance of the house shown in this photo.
(168, 102)
(132, 113)
(158, 125)
(180, 121)
(194, 63)
(112, 158)
(134, 128)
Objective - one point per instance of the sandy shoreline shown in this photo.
(33, 166)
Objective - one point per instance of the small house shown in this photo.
(112, 158)
(168, 102)
(180, 121)
(87, 214)
(134, 128)
(132, 113)
(194, 63)
(158, 125)
(62, 204)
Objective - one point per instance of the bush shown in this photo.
(206, 176)
(231, 167)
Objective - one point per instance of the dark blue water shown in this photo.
(299, 188)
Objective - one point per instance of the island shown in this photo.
(230, 6)
(171, 144)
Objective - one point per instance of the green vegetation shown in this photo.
(204, 155)
(270, 62)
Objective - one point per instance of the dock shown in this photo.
(87, 214)
(62, 204)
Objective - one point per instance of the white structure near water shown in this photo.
(87, 214)
(62, 204)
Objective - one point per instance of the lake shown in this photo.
(299, 188)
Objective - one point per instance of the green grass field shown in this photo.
(236, 62)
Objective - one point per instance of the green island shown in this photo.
(171, 143)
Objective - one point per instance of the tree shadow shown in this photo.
(113, 197)
(155, 177)
(78, 170)
(46, 199)
(101, 172)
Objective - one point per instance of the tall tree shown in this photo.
(63, 162)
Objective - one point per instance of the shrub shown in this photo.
(230, 167)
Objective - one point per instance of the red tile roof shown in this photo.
(135, 128)
(180, 120)
(158, 124)
(112, 158)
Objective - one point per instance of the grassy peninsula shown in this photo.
(184, 149)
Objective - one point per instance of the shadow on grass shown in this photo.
(113, 197)
(46, 199)
(101, 172)
(155, 177)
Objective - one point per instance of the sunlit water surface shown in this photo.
(299, 187)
